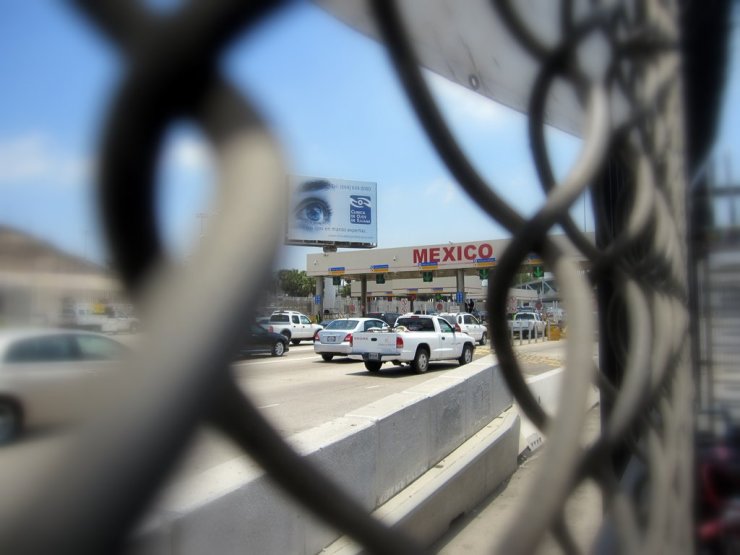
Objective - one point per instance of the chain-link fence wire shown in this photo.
(642, 458)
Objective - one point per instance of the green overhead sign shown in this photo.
(538, 272)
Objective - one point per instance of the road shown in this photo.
(300, 391)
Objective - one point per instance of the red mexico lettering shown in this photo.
(485, 251)
(420, 255)
(434, 254)
(469, 252)
(449, 253)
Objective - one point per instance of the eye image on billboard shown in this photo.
(332, 212)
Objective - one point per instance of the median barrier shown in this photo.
(374, 452)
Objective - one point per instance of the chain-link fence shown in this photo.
(633, 161)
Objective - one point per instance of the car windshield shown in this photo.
(342, 325)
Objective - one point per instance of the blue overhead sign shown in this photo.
(483, 262)
(375, 268)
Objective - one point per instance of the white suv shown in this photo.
(293, 325)
(467, 323)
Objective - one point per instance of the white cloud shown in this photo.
(463, 102)
(442, 191)
(35, 158)
(192, 154)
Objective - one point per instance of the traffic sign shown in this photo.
(538, 272)
(483, 274)
(336, 280)
(379, 278)
(459, 297)
(317, 299)
(427, 276)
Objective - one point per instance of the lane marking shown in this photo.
(372, 387)
(274, 360)
(269, 406)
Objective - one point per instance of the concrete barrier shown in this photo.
(374, 452)
(545, 388)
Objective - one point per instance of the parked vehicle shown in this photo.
(295, 326)
(259, 341)
(526, 324)
(388, 317)
(337, 338)
(466, 322)
(416, 340)
(97, 317)
(717, 475)
(47, 376)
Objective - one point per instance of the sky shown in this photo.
(328, 94)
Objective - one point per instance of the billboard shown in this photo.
(332, 212)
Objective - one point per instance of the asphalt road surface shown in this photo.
(300, 391)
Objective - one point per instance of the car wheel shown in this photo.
(483, 339)
(10, 421)
(467, 355)
(327, 358)
(373, 365)
(285, 334)
(278, 349)
(421, 361)
(295, 341)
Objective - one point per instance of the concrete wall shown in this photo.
(374, 452)
(546, 388)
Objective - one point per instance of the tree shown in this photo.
(296, 283)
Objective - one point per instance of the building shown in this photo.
(36, 278)
(453, 271)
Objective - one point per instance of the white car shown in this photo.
(48, 376)
(336, 338)
(467, 323)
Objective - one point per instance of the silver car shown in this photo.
(48, 377)
(336, 338)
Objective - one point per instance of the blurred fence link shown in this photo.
(631, 161)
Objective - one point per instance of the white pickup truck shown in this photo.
(526, 324)
(293, 325)
(416, 340)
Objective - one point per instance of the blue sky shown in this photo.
(329, 96)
